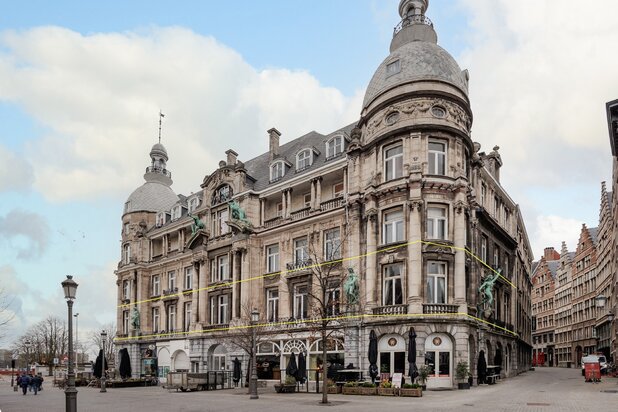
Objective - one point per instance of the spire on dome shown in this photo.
(157, 171)
(414, 25)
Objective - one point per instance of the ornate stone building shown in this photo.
(612, 124)
(563, 307)
(543, 288)
(404, 196)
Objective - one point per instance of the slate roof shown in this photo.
(534, 266)
(259, 167)
(553, 266)
(593, 234)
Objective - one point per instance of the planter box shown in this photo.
(334, 390)
(412, 392)
(368, 391)
(387, 391)
(352, 390)
(463, 385)
(285, 388)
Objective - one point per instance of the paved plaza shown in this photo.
(546, 389)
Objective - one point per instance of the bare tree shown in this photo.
(6, 315)
(110, 345)
(44, 341)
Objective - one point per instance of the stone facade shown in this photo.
(543, 290)
(403, 198)
(563, 306)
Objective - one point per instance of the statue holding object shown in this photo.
(196, 225)
(486, 289)
(351, 287)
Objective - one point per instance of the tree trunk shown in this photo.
(324, 367)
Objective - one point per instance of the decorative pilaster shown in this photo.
(371, 281)
(459, 238)
(415, 269)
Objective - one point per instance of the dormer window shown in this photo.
(175, 212)
(393, 68)
(277, 170)
(160, 219)
(334, 147)
(193, 203)
(222, 194)
(304, 159)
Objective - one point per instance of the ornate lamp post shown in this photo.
(255, 317)
(103, 339)
(76, 341)
(70, 287)
(27, 344)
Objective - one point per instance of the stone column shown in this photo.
(289, 202)
(202, 294)
(195, 306)
(313, 194)
(318, 192)
(371, 257)
(415, 257)
(459, 239)
(235, 277)
(262, 217)
(284, 198)
(345, 181)
(245, 287)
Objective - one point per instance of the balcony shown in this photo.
(391, 310)
(437, 308)
(273, 222)
(299, 265)
(300, 214)
(332, 204)
(170, 294)
(160, 170)
(413, 19)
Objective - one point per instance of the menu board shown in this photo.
(397, 377)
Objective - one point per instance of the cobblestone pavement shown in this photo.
(546, 389)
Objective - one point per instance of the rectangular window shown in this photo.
(393, 68)
(334, 147)
(484, 249)
(272, 258)
(188, 278)
(223, 272)
(437, 223)
(156, 285)
(393, 227)
(155, 320)
(301, 252)
(393, 162)
(126, 289)
(300, 302)
(279, 209)
(188, 312)
(307, 200)
(332, 307)
(392, 285)
(272, 305)
(126, 254)
(483, 194)
(223, 309)
(497, 208)
(496, 256)
(437, 158)
(171, 318)
(338, 190)
(436, 282)
(332, 245)
(125, 322)
(213, 310)
(276, 171)
(171, 280)
(126, 229)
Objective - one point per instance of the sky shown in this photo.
(82, 83)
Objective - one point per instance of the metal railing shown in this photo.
(160, 170)
(433, 308)
(413, 19)
(391, 310)
(299, 264)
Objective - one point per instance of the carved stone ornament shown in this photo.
(460, 206)
(371, 213)
(415, 204)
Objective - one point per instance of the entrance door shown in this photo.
(392, 351)
(438, 357)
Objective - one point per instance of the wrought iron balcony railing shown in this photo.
(413, 19)
(299, 264)
(160, 170)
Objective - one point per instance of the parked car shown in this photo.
(595, 358)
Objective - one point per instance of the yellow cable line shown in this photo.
(332, 262)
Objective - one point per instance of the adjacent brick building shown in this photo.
(543, 287)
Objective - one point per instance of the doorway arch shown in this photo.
(180, 361)
(439, 358)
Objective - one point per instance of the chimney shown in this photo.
(231, 157)
(551, 254)
(273, 138)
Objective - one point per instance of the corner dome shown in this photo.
(151, 197)
(418, 61)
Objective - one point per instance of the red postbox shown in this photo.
(592, 371)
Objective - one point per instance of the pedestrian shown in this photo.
(41, 382)
(35, 383)
(24, 382)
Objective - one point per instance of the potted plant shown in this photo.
(411, 389)
(461, 373)
(386, 389)
(423, 374)
(332, 388)
(351, 388)
(289, 386)
(368, 388)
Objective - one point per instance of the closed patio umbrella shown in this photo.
(413, 373)
(97, 365)
(301, 375)
(125, 364)
(291, 369)
(481, 368)
(237, 373)
(372, 355)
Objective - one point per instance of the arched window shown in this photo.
(277, 170)
(222, 194)
(334, 147)
(304, 158)
(126, 253)
(193, 203)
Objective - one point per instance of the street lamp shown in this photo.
(103, 338)
(70, 287)
(255, 317)
(27, 344)
(76, 341)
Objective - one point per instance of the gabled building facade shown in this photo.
(543, 291)
(563, 307)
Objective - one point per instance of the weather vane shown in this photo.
(161, 116)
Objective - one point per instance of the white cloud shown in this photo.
(551, 231)
(15, 171)
(25, 232)
(99, 96)
(541, 72)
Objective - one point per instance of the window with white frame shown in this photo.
(171, 280)
(333, 302)
(272, 305)
(156, 285)
(277, 170)
(392, 289)
(332, 244)
(300, 301)
(219, 269)
(483, 194)
(338, 190)
(193, 203)
(496, 256)
(301, 251)
(220, 219)
(334, 147)
(171, 318)
(437, 222)
(126, 289)
(497, 208)
(393, 162)
(125, 322)
(272, 258)
(436, 282)
(307, 200)
(155, 320)
(304, 158)
(175, 212)
(437, 158)
(222, 309)
(126, 253)
(188, 278)
(484, 249)
(222, 194)
(392, 227)
(160, 219)
(187, 318)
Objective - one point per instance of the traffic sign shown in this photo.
(56, 360)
